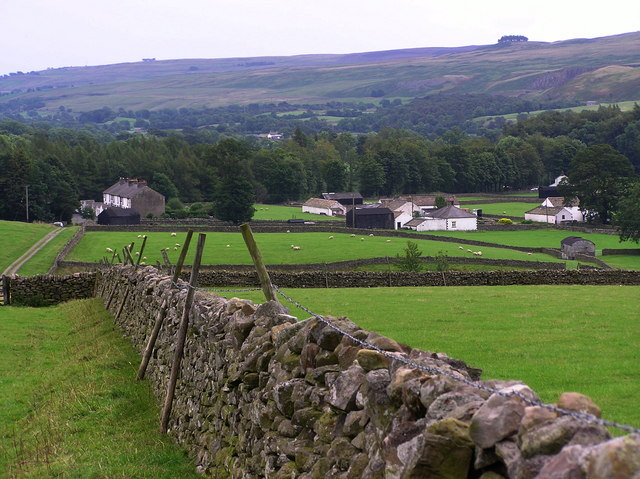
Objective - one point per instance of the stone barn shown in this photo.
(372, 218)
(119, 216)
(573, 245)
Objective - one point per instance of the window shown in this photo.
(453, 224)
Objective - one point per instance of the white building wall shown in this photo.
(317, 211)
(462, 224)
(432, 224)
(540, 218)
(402, 219)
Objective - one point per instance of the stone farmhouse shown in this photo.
(448, 218)
(319, 206)
(134, 193)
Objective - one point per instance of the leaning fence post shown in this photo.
(182, 335)
(163, 310)
(263, 275)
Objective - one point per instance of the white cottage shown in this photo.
(318, 206)
(448, 218)
(553, 211)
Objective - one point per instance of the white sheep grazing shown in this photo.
(296, 248)
(288, 231)
(228, 246)
(139, 236)
(109, 250)
(388, 241)
(353, 235)
(529, 254)
(371, 234)
(469, 251)
(178, 245)
(361, 239)
(173, 234)
(460, 247)
(330, 237)
(479, 253)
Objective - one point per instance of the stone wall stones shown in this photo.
(44, 290)
(262, 395)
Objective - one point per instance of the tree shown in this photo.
(162, 184)
(627, 218)
(411, 259)
(598, 176)
(440, 201)
(234, 200)
(372, 177)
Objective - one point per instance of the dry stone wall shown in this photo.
(262, 395)
(44, 290)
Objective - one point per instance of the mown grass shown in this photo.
(18, 237)
(553, 338)
(284, 213)
(276, 247)
(43, 260)
(71, 406)
(515, 208)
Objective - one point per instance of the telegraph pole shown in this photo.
(26, 188)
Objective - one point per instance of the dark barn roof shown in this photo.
(119, 216)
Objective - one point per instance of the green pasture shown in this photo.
(18, 237)
(43, 260)
(276, 248)
(553, 338)
(544, 238)
(515, 208)
(627, 261)
(69, 402)
(284, 213)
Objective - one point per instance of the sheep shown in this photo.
(477, 253)
(173, 234)
(529, 254)
(288, 231)
(371, 234)
(228, 246)
(388, 241)
(137, 253)
(108, 250)
(460, 247)
(296, 248)
(178, 245)
(361, 239)
(469, 251)
(139, 236)
(353, 235)
(330, 237)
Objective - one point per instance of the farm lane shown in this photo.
(14, 267)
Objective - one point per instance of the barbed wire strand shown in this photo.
(429, 369)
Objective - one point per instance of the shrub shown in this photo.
(411, 259)
(526, 222)
(505, 221)
(442, 261)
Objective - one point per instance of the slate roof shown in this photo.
(320, 203)
(545, 210)
(127, 188)
(450, 212)
(393, 204)
(341, 196)
(415, 222)
(559, 201)
(570, 240)
(430, 200)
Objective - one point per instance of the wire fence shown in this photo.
(430, 369)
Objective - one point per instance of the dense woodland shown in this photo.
(63, 165)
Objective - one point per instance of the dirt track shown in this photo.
(14, 267)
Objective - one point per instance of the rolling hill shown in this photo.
(599, 69)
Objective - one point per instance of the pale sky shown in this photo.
(38, 34)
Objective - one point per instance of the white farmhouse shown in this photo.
(318, 206)
(449, 218)
(553, 211)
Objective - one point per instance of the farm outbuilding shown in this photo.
(345, 198)
(119, 216)
(320, 206)
(378, 218)
(573, 245)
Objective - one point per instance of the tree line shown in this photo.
(62, 166)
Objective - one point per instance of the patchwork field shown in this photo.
(229, 248)
(553, 338)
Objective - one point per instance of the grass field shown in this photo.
(515, 208)
(284, 213)
(18, 237)
(553, 338)
(43, 260)
(276, 248)
(70, 404)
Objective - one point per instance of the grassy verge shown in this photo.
(517, 209)
(284, 213)
(18, 238)
(71, 406)
(554, 338)
(44, 259)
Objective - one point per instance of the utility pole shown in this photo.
(26, 188)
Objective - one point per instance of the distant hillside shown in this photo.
(600, 69)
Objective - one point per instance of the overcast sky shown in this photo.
(38, 34)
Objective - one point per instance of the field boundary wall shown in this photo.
(73, 241)
(261, 395)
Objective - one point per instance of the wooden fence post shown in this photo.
(182, 335)
(163, 310)
(263, 275)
